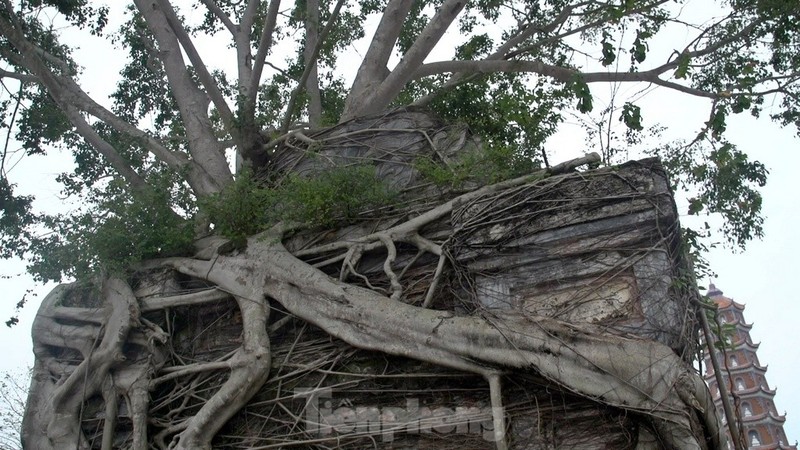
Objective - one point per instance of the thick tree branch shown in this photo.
(76, 96)
(249, 16)
(244, 58)
(104, 148)
(373, 69)
(312, 84)
(264, 46)
(60, 95)
(214, 8)
(191, 101)
(19, 76)
(67, 92)
(558, 73)
(311, 66)
(199, 66)
(413, 59)
(501, 53)
(81, 100)
(14, 31)
(249, 78)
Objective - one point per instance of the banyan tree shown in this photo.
(340, 224)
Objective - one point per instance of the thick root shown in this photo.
(250, 369)
(636, 375)
(61, 416)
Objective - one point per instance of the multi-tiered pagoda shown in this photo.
(745, 380)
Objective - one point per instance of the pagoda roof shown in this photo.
(721, 301)
(748, 365)
(774, 447)
(745, 344)
(736, 370)
(758, 389)
(765, 417)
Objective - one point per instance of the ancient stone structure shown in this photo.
(551, 311)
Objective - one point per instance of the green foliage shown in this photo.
(127, 228)
(242, 209)
(717, 124)
(116, 227)
(333, 197)
(142, 89)
(639, 49)
(333, 95)
(725, 182)
(511, 112)
(484, 166)
(609, 52)
(77, 12)
(582, 93)
(16, 218)
(723, 332)
(682, 70)
(43, 123)
(632, 117)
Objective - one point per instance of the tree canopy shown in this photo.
(511, 70)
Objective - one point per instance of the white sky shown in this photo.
(762, 277)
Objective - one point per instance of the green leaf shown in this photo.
(717, 123)
(581, 91)
(640, 47)
(741, 103)
(695, 206)
(683, 66)
(632, 117)
(609, 53)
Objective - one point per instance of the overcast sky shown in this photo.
(763, 277)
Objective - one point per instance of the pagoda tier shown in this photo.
(744, 379)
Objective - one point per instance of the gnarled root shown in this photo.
(249, 370)
(250, 364)
(633, 374)
(61, 416)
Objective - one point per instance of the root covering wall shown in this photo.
(548, 311)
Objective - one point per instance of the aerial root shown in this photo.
(351, 259)
(110, 422)
(391, 256)
(437, 275)
(355, 251)
(250, 364)
(138, 399)
(498, 411)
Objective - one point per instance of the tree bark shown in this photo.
(312, 83)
